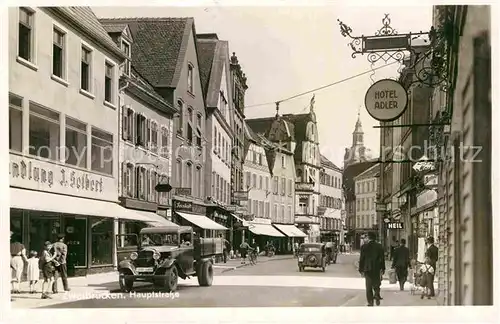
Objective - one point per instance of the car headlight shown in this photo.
(133, 256)
(156, 255)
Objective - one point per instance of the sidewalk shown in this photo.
(105, 283)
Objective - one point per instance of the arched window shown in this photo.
(180, 119)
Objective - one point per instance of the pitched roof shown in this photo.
(159, 46)
(369, 173)
(206, 54)
(85, 19)
(328, 163)
(114, 28)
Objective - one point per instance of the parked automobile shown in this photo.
(312, 255)
(164, 254)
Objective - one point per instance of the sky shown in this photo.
(286, 51)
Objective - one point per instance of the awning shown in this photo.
(290, 230)
(202, 221)
(155, 219)
(243, 222)
(46, 201)
(264, 229)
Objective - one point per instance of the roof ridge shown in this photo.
(159, 19)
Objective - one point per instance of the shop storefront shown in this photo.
(293, 233)
(188, 213)
(428, 219)
(49, 199)
(262, 231)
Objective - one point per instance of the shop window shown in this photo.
(44, 132)
(76, 143)
(75, 229)
(16, 225)
(43, 227)
(102, 241)
(15, 123)
(102, 151)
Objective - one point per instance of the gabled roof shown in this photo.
(85, 19)
(206, 54)
(369, 173)
(159, 46)
(328, 163)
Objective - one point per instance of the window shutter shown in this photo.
(148, 134)
(133, 131)
(124, 179)
(124, 123)
(147, 187)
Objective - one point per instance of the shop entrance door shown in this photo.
(75, 230)
(43, 227)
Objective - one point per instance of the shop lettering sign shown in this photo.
(386, 100)
(182, 205)
(47, 176)
(394, 225)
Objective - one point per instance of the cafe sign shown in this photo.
(386, 100)
(41, 175)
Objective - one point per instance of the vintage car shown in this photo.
(312, 255)
(331, 252)
(163, 254)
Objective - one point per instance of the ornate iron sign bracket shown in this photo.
(426, 60)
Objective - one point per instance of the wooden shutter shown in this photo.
(125, 129)
(124, 179)
(148, 134)
(133, 130)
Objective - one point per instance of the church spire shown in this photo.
(358, 128)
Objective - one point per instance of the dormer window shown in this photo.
(126, 50)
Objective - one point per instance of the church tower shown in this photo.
(357, 152)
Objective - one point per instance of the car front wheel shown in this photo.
(126, 285)
(170, 279)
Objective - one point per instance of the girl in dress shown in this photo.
(48, 269)
(33, 271)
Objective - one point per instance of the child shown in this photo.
(426, 272)
(48, 269)
(33, 271)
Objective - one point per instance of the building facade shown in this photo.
(465, 267)
(63, 134)
(366, 188)
(213, 56)
(239, 86)
(331, 204)
(172, 70)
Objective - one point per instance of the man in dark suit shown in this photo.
(401, 262)
(432, 254)
(62, 269)
(372, 267)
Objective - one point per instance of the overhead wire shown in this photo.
(323, 87)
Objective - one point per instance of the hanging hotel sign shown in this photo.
(386, 100)
(47, 176)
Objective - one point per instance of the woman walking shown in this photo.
(18, 257)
